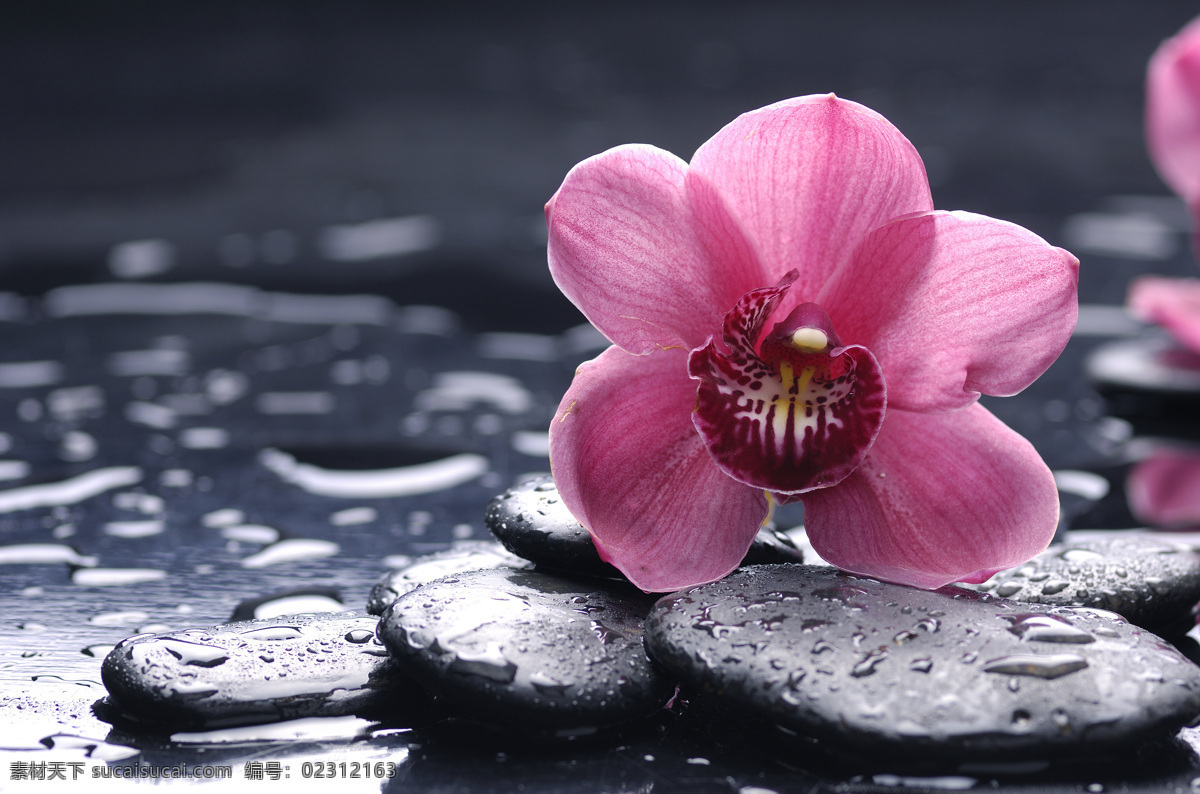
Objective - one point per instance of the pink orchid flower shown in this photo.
(1173, 138)
(1173, 111)
(790, 316)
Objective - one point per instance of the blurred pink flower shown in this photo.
(1173, 111)
(790, 316)
(1164, 489)
(1173, 303)
(1173, 138)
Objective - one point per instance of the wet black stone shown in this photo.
(1153, 583)
(465, 556)
(1150, 381)
(953, 674)
(259, 671)
(773, 545)
(532, 522)
(529, 648)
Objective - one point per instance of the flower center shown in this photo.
(798, 350)
(798, 413)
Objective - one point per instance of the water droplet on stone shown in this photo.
(1033, 665)
(1046, 628)
(488, 663)
(867, 665)
(1159, 586)
(273, 634)
(1081, 555)
(547, 684)
(195, 653)
(1054, 587)
(929, 624)
(360, 636)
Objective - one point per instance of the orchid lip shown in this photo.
(798, 413)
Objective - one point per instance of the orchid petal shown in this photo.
(1164, 489)
(941, 498)
(806, 179)
(623, 247)
(954, 304)
(1173, 303)
(1173, 111)
(631, 468)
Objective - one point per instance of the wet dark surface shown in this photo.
(376, 348)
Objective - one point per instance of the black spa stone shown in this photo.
(465, 556)
(528, 648)
(315, 665)
(1153, 583)
(532, 522)
(887, 670)
(1150, 381)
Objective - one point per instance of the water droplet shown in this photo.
(843, 593)
(547, 684)
(1009, 589)
(820, 646)
(608, 636)
(1054, 587)
(1047, 628)
(488, 663)
(1159, 586)
(273, 633)
(866, 666)
(903, 637)
(1080, 555)
(718, 631)
(193, 653)
(360, 636)
(930, 624)
(921, 665)
(1061, 721)
(1037, 666)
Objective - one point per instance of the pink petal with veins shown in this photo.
(623, 247)
(941, 498)
(1164, 489)
(631, 468)
(953, 304)
(806, 179)
(1173, 111)
(1173, 303)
